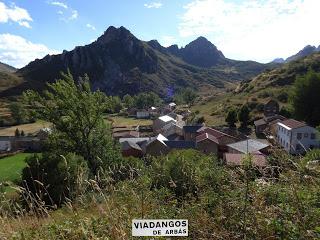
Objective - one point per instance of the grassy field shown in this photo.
(29, 128)
(214, 108)
(11, 167)
(118, 121)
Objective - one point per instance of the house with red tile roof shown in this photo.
(207, 143)
(210, 140)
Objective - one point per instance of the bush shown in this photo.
(252, 105)
(265, 94)
(186, 173)
(54, 179)
(283, 97)
(285, 112)
(260, 107)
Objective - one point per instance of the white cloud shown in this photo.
(15, 14)
(252, 29)
(59, 4)
(153, 5)
(17, 51)
(167, 41)
(88, 25)
(74, 15)
(69, 13)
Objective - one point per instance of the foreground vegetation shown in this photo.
(219, 202)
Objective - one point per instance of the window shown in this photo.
(313, 136)
(298, 147)
(287, 145)
(306, 135)
(299, 135)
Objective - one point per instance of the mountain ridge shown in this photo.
(6, 68)
(306, 51)
(119, 63)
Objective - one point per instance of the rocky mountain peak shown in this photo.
(114, 34)
(201, 52)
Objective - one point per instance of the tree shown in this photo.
(128, 101)
(18, 112)
(22, 134)
(77, 117)
(114, 104)
(147, 100)
(244, 115)
(186, 96)
(305, 98)
(17, 133)
(231, 117)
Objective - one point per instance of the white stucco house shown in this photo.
(160, 122)
(296, 137)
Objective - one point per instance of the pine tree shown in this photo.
(17, 133)
(244, 115)
(231, 117)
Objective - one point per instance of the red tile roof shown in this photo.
(235, 159)
(213, 132)
(205, 136)
(291, 123)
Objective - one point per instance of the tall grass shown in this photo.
(281, 204)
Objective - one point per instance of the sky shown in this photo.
(259, 30)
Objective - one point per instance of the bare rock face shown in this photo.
(200, 52)
(108, 61)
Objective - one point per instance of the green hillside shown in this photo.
(281, 77)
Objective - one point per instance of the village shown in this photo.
(169, 131)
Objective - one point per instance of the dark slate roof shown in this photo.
(135, 140)
(126, 134)
(191, 129)
(273, 117)
(180, 144)
(21, 138)
(174, 137)
(128, 145)
(260, 122)
(250, 144)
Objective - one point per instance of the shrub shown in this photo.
(53, 179)
(285, 112)
(265, 94)
(231, 117)
(260, 107)
(283, 97)
(186, 173)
